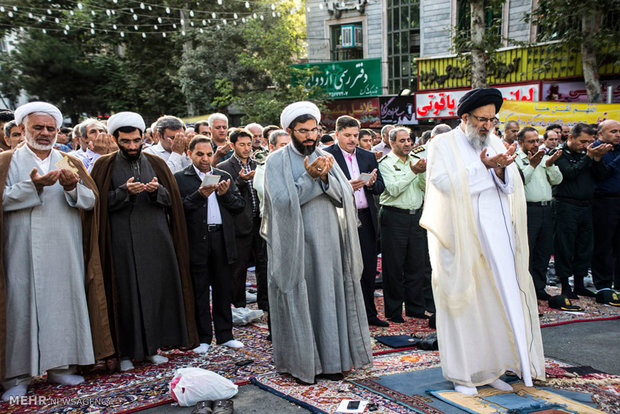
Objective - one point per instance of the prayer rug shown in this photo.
(147, 385)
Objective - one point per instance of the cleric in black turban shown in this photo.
(479, 97)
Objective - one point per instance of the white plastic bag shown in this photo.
(243, 316)
(191, 385)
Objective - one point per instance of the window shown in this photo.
(346, 41)
(463, 20)
(403, 36)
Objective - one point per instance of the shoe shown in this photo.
(416, 315)
(608, 297)
(569, 294)
(223, 407)
(584, 292)
(397, 319)
(203, 407)
(331, 377)
(542, 295)
(375, 321)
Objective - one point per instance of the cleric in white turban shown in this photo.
(38, 107)
(318, 318)
(125, 119)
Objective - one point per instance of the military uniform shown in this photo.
(406, 266)
(606, 223)
(540, 221)
(573, 234)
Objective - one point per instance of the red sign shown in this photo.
(365, 110)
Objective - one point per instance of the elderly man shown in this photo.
(440, 129)
(487, 313)
(13, 134)
(171, 146)
(257, 136)
(606, 217)
(362, 170)
(143, 245)
(384, 146)
(218, 123)
(50, 285)
(581, 166)
(94, 142)
(310, 225)
(511, 129)
(539, 174)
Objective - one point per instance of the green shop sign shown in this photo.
(344, 79)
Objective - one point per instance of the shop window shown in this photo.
(346, 41)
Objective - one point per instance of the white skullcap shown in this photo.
(38, 106)
(297, 109)
(125, 119)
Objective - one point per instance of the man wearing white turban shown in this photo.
(318, 318)
(50, 285)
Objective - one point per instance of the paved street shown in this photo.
(587, 343)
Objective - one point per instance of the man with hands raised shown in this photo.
(539, 173)
(172, 145)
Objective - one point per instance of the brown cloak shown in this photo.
(95, 291)
(102, 175)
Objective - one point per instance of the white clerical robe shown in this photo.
(47, 314)
(487, 315)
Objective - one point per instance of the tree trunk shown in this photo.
(478, 57)
(187, 48)
(589, 23)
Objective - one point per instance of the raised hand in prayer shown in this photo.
(499, 161)
(103, 144)
(41, 181)
(552, 159)
(222, 187)
(378, 155)
(597, 153)
(134, 187)
(247, 177)
(329, 163)
(419, 167)
(206, 190)
(535, 158)
(68, 179)
(152, 186)
(179, 145)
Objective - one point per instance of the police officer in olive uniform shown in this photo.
(539, 173)
(406, 266)
(581, 165)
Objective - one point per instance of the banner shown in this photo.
(364, 110)
(572, 91)
(398, 110)
(542, 114)
(346, 78)
(443, 104)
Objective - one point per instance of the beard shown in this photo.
(303, 149)
(129, 156)
(39, 147)
(475, 139)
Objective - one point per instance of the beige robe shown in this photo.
(487, 313)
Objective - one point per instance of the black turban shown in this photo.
(479, 97)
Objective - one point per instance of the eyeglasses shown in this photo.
(306, 132)
(484, 120)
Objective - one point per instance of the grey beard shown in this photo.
(30, 140)
(476, 140)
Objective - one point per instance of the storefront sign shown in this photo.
(364, 110)
(577, 92)
(398, 110)
(443, 104)
(542, 114)
(345, 79)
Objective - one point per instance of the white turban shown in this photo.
(125, 119)
(37, 106)
(297, 109)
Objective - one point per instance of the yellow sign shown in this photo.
(542, 114)
(192, 119)
(535, 63)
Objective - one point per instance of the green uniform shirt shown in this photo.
(403, 188)
(538, 181)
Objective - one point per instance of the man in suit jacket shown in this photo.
(247, 224)
(355, 161)
(209, 212)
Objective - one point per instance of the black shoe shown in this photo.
(608, 297)
(418, 315)
(569, 294)
(584, 292)
(375, 321)
(542, 295)
(331, 377)
(397, 319)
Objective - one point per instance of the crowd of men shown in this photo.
(120, 240)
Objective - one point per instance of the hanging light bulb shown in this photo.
(273, 6)
(191, 13)
(30, 16)
(48, 11)
(122, 34)
(159, 20)
(204, 22)
(93, 13)
(168, 10)
(155, 27)
(163, 34)
(80, 6)
(135, 26)
(213, 15)
(191, 23)
(114, 26)
(219, 2)
(67, 27)
(57, 20)
(92, 31)
(261, 17)
(174, 25)
(225, 22)
(44, 31)
(65, 32)
(254, 15)
(217, 26)
(142, 6)
(108, 12)
(92, 25)
(183, 32)
(247, 5)
(201, 31)
(144, 35)
(235, 16)
(135, 17)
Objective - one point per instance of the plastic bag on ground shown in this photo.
(243, 316)
(191, 385)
